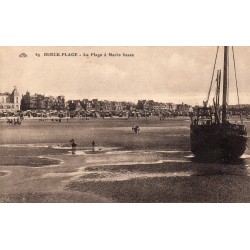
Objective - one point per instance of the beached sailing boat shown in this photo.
(211, 134)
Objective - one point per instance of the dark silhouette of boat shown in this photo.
(212, 136)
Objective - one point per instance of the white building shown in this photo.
(10, 102)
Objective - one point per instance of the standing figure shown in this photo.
(136, 129)
(93, 145)
(73, 144)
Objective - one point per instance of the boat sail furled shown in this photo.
(211, 134)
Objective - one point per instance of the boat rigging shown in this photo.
(211, 133)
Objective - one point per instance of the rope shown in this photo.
(236, 79)
(212, 75)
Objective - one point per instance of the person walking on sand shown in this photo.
(136, 129)
(73, 144)
(93, 145)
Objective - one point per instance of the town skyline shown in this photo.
(163, 74)
(109, 100)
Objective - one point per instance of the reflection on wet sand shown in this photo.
(118, 165)
(182, 161)
(179, 177)
(133, 175)
(208, 167)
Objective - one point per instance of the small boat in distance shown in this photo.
(212, 136)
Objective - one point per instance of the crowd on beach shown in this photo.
(14, 121)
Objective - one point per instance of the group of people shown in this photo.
(53, 119)
(14, 121)
(74, 145)
(135, 128)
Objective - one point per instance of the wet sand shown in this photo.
(37, 164)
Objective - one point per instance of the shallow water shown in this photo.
(144, 172)
(113, 164)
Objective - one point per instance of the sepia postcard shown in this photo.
(124, 124)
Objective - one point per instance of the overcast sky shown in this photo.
(168, 74)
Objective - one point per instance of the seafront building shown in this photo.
(42, 102)
(151, 105)
(10, 102)
(97, 105)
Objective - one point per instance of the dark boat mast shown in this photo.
(211, 136)
(225, 81)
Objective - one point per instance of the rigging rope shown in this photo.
(236, 79)
(212, 76)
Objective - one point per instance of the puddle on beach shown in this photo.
(53, 145)
(119, 159)
(101, 176)
(102, 157)
(182, 163)
(3, 173)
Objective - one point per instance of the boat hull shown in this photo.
(221, 142)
